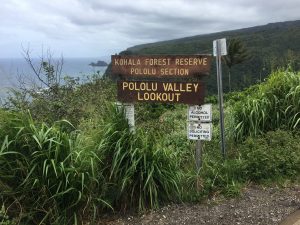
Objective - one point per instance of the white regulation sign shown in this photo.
(199, 131)
(223, 47)
(201, 113)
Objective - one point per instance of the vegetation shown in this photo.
(138, 170)
(48, 175)
(236, 54)
(269, 106)
(67, 154)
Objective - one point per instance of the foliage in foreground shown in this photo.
(272, 157)
(47, 175)
(59, 177)
(138, 170)
(269, 106)
(52, 175)
(69, 100)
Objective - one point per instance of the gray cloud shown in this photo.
(97, 27)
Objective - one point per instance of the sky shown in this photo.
(95, 28)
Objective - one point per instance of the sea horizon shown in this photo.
(14, 68)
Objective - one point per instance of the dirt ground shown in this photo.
(256, 205)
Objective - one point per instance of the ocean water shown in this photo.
(13, 70)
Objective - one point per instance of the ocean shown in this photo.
(11, 70)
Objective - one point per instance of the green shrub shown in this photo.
(48, 174)
(150, 111)
(71, 101)
(274, 104)
(272, 156)
(4, 218)
(138, 171)
(220, 176)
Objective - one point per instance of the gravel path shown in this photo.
(257, 205)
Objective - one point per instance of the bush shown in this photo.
(150, 111)
(224, 177)
(274, 104)
(272, 156)
(71, 101)
(138, 171)
(47, 174)
(4, 218)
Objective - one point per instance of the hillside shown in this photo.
(270, 46)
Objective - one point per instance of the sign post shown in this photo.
(167, 79)
(219, 47)
(129, 114)
(199, 128)
(198, 155)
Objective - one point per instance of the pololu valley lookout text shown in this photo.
(167, 92)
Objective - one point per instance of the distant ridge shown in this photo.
(241, 33)
(270, 46)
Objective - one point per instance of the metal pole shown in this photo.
(198, 155)
(220, 94)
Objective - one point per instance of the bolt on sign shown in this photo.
(161, 65)
(166, 92)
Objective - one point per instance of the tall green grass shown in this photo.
(273, 104)
(48, 176)
(58, 175)
(139, 172)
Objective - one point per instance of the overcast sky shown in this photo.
(94, 28)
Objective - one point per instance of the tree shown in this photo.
(44, 92)
(47, 70)
(236, 54)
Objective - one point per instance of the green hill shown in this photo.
(270, 46)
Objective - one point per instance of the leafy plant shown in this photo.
(271, 156)
(236, 54)
(48, 174)
(274, 104)
(140, 173)
(4, 218)
(69, 100)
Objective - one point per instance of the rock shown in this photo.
(99, 63)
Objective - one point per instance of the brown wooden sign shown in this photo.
(167, 92)
(161, 65)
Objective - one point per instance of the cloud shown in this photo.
(93, 27)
